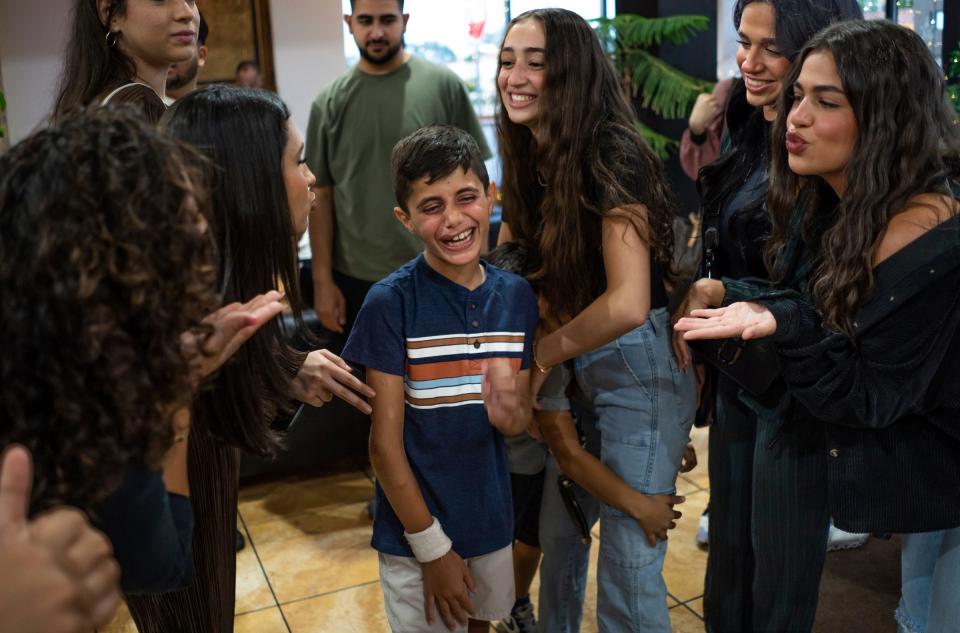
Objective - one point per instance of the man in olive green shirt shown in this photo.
(354, 124)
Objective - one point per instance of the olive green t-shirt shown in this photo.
(354, 124)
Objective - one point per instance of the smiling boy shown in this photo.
(446, 343)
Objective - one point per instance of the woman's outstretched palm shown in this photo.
(744, 320)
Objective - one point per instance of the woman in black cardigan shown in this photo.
(865, 316)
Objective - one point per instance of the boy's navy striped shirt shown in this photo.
(435, 333)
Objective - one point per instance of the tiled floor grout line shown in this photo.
(695, 614)
(266, 576)
(689, 608)
(257, 610)
(328, 593)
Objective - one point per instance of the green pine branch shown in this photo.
(661, 145)
(662, 88)
(633, 31)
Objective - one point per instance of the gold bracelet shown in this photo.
(536, 361)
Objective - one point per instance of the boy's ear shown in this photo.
(348, 20)
(404, 218)
(491, 196)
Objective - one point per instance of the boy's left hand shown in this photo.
(446, 582)
(501, 396)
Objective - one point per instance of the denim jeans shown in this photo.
(930, 586)
(563, 571)
(645, 407)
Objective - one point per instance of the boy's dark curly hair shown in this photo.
(105, 260)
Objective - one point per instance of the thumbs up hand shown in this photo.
(60, 573)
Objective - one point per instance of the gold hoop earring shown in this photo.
(112, 42)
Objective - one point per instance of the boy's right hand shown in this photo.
(446, 581)
(656, 515)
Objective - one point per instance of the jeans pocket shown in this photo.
(637, 354)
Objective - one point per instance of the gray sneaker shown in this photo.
(521, 620)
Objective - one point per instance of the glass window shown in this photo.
(465, 35)
(589, 9)
(926, 18)
(874, 9)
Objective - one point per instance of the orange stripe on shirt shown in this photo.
(452, 368)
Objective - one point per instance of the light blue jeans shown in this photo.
(563, 570)
(644, 409)
(930, 585)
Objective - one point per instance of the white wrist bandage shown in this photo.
(429, 544)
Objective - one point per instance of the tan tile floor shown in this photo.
(309, 568)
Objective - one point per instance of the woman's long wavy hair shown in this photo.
(104, 262)
(908, 143)
(244, 132)
(795, 22)
(593, 161)
(90, 65)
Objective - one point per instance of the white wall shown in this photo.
(307, 40)
(32, 37)
(307, 51)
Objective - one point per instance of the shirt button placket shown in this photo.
(474, 325)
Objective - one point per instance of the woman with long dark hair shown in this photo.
(107, 273)
(582, 187)
(119, 51)
(766, 548)
(865, 315)
(260, 199)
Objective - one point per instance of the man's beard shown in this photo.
(180, 80)
(382, 59)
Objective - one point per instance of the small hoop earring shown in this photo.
(111, 42)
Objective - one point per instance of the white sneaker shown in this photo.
(838, 539)
(703, 531)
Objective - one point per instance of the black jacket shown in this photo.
(891, 397)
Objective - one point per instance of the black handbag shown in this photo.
(753, 365)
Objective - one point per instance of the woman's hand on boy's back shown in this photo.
(446, 581)
(655, 514)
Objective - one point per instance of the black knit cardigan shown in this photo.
(890, 397)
